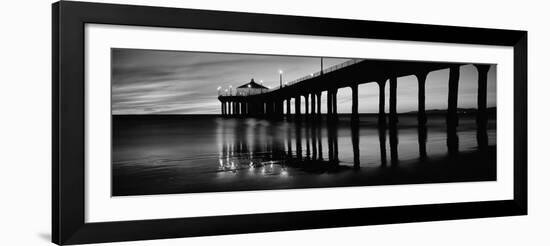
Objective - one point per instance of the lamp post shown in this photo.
(281, 78)
(321, 65)
(230, 90)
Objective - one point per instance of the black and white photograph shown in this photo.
(275, 123)
(189, 122)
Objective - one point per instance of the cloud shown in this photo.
(174, 82)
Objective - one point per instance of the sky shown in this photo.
(180, 82)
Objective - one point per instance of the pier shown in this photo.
(269, 103)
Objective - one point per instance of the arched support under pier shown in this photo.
(382, 101)
(313, 105)
(421, 77)
(288, 111)
(318, 94)
(306, 104)
(355, 101)
(297, 106)
(393, 99)
(329, 103)
(452, 118)
(482, 71)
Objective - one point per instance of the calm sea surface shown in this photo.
(184, 154)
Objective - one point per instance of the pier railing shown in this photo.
(316, 74)
(235, 92)
(336, 67)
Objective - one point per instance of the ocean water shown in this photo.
(188, 154)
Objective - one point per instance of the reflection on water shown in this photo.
(175, 154)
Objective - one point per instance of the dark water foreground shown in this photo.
(185, 154)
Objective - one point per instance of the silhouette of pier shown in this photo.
(308, 90)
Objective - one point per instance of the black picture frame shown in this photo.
(68, 117)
